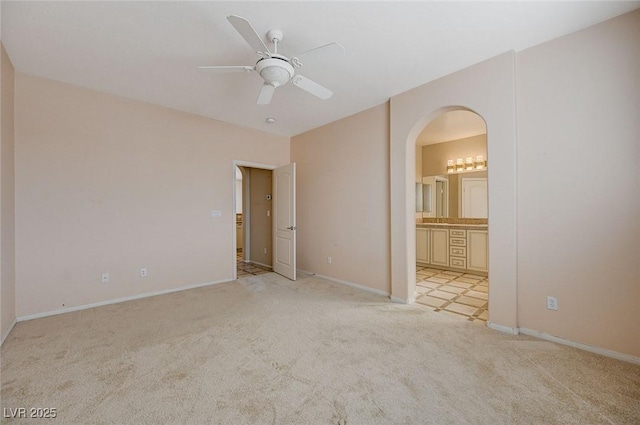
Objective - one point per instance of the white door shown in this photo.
(474, 198)
(284, 223)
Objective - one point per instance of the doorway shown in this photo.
(452, 223)
(253, 221)
(253, 227)
(264, 206)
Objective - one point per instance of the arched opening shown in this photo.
(451, 230)
(487, 89)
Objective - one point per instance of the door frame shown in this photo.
(445, 181)
(247, 164)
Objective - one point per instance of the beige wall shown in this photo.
(261, 218)
(418, 174)
(7, 198)
(454, 194)
(343, 198)
(419, 162)
(106, 184)
(239, 197)
(435, 156)
(579, 185)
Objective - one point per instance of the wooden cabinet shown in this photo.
(478, 250)
(458, 248)
(439, 247)
(452, 247)
(422, 245)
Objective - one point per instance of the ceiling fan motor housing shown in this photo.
(275, 71)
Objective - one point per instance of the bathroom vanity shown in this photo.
(453, 246)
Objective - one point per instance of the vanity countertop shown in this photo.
(454, 225)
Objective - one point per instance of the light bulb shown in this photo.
(450, 167)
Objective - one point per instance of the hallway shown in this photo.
(249, 269)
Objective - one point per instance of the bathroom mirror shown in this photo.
(426, 197)
(436, 190)
(446, 193)
(423, 197)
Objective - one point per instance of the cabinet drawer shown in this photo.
(458, 233)
(458, 241)
(458, 251)
(460, 263)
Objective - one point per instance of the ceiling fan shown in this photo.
(274, 68)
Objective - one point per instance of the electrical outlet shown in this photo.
(265, 251)
(552, 303)
(105, 277)
(329, 259)
(143, 272)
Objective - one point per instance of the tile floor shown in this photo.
(248, 269)
(461, 294)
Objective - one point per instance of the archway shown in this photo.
(488, 89)
(451, 216)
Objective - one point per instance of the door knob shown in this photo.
(292, 227)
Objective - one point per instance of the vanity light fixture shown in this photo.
(450, 167)
(466, 164)
(469, 163)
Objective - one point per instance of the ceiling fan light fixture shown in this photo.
(275, 72)
(275, 69)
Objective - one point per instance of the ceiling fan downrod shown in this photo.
(275, 36)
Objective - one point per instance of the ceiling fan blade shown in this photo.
(264, 98)
(312, 87)
(248, 33)
(328, 49)
(227, 69)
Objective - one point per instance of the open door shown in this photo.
(284, 223)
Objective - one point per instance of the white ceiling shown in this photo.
(452, 125)
(150, 50)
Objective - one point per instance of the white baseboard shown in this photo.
(260, 264)
(351, 284)
(117, 300)
(402, 300)
(597, 350)
(501, 328)
(4, 337)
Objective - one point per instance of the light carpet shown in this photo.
(265, 350)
